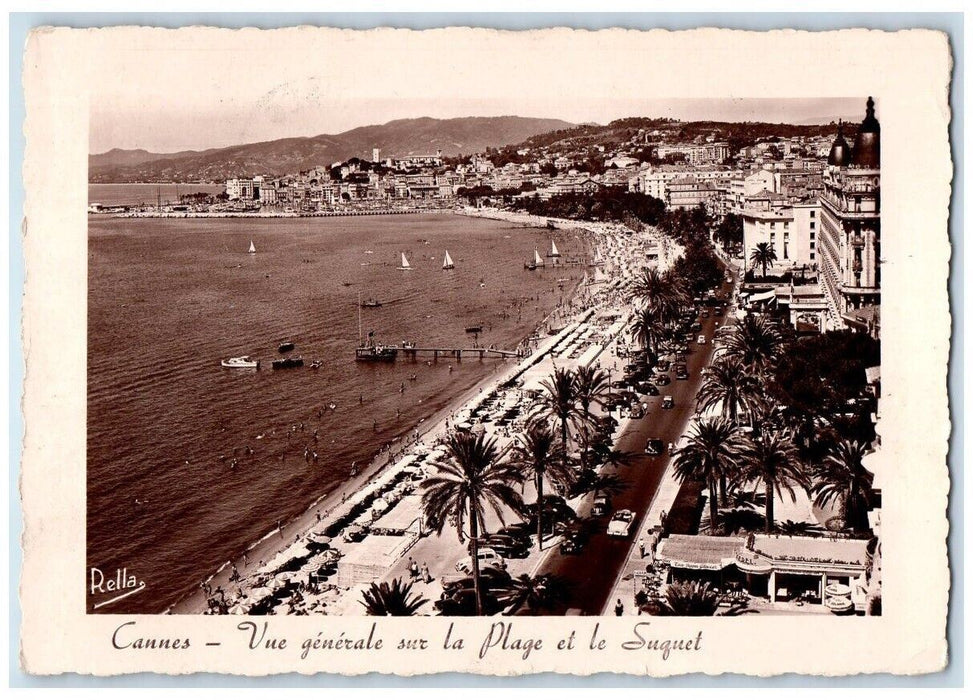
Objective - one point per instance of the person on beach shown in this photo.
(641, 548)
(426, 576)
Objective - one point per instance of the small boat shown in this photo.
(286, 346)
(252, 250)
(474, 329)
(316, 364)
(554, 251)
(288, 362)
(538, 260)
(371, 304)
(404, 265)
(448, 262)
(244, 362)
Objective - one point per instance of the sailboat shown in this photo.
(554, 253)
(536, 262)
(405, 263)
(252, 250)
(448, 262)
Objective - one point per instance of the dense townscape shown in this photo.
(696, 432)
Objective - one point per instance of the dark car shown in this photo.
(662, 365)
(662, 379)
(682, 372)
(654, 446)
(718, 311)
(574, 541)
(507, 546)
(647, 388)
(696, 327)
(602, 506)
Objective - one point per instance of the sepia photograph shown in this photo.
(490, 365)
(347, 336)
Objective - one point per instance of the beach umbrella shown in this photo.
(258, 594)
(239, 609)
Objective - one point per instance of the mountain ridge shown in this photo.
(399, 137)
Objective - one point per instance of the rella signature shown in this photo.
(122, 584)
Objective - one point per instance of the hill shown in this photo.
(401, 137)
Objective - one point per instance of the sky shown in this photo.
(166, 131)
(167, 91)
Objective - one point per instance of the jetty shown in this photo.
(413, 352)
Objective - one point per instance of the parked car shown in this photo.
(654, 446)
(621, 523)
(488, 559)
(662, 379)
(662, 365)
(668, 402)
(636, 411)
(601, 506)
(701, 340)
(507, 546)
(682, 372)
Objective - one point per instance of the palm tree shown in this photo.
(662, 294)
(730, 385)
(396, 599)
(471, 477)
(648, 330)
(536, 453)
(692, 599)
(591, 387)
(558, 400)
(763, 254)
(841, 478)
(544, 592)
(772, 459)
(712, 452)
(756, 342)
(734, 388)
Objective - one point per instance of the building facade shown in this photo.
(850, 231)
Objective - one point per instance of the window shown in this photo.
(812, 226)
(812, 216)
(812, 255)
(773, 224)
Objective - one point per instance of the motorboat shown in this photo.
(244, 362)
(474, 329)
(286, 346)
(288, 362)
(371, 304)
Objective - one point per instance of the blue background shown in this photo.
(951, 23)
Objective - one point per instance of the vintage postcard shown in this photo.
(587, 351)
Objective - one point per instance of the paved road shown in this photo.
(592, 573)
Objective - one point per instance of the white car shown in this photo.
(701, 340)
(621, 523)
(488, 559)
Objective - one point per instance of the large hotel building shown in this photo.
(850, 231)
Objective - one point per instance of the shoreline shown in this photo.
(328, 506)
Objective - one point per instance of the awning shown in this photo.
(699, 552)
(763, 296)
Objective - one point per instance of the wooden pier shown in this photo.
(458, 353)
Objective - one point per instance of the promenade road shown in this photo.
(591, 573)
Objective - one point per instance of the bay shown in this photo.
(190, 463)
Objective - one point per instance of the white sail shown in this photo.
(405, 263)
(554, 253)
(537, 258)
(448, 262)
(252, 249)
